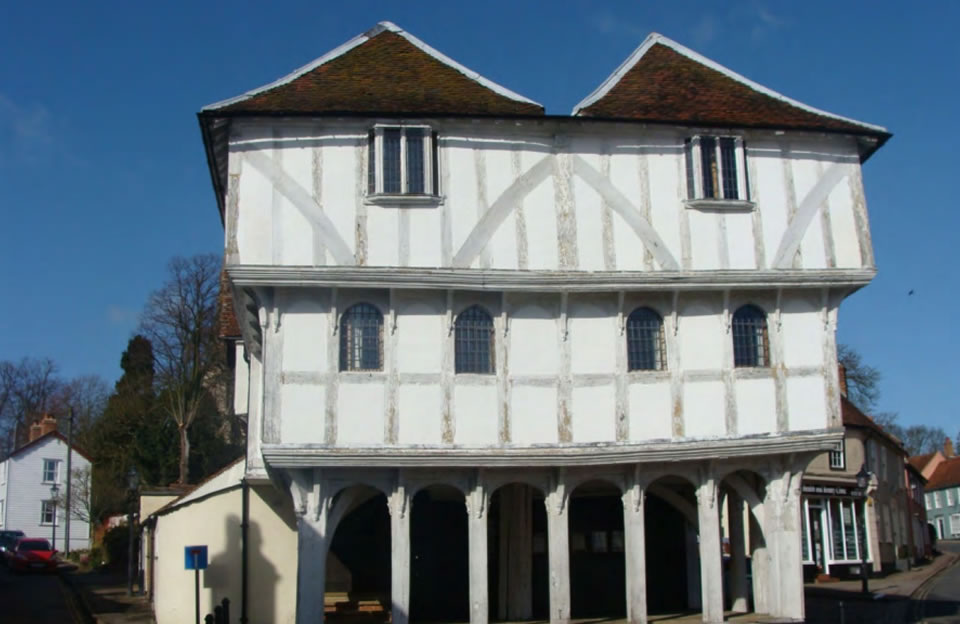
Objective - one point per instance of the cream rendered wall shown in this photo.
(292, 172)
(215, 521)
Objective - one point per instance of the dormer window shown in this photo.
(402, 163)
(716, 169)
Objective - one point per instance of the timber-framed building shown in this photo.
(512, 365)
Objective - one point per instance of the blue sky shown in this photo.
(103, 176)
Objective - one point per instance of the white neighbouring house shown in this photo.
(26, 477)
(502, 361)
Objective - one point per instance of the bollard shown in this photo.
(208, 619)
(218, 615)
(226, 610)
(842, 614)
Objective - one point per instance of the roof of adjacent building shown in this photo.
(947, 474)
(45, 437)
(227, 478)
(920, 461)
(664, 81)
(384, 70)
(853, 417)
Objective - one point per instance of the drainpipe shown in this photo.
(244, 526)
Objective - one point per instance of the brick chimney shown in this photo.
(843, 379)
(947, 448)
(42, 426)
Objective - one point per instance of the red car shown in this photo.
(32, 553)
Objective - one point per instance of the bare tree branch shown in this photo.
(180, 320)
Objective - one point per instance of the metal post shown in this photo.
(53, 540)
(196, 581)
(130, 552)
(863, 550)
(66, 524)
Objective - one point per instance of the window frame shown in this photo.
(839, 450)
(955, 524)
(760, 354)
(949, 497)
(48, 507)
(633, 338)
(346, 360)
(936, 500)
(375, 165)
(696, 176)
(461, 340)
(56, 471)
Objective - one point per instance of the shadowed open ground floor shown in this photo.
(707, 540)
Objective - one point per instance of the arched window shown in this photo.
(750, 337)
(361, 338)
(645, 348)
(474, 341)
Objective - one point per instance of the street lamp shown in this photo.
(133, 482)
(863, 480)
(54, 489)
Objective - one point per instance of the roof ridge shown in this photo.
(656, 38)
(383, 26)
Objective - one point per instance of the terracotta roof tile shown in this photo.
(947, 474)
(388, 71)
(853, 417)
(664, 81)
(920, 461)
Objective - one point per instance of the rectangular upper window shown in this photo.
(949, 498)
(838, 460)
(936, 500)
(716, 168)
(402, 162)
(51, 470)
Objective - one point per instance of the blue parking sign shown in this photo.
(195, 557)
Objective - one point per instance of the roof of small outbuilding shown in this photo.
(383, 71)
(663, 81)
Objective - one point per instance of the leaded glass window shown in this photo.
(402, 160)
(361, 339)
(474, 341)
(750, 346)
(415, 160)
(728, 161)
(391, 160)
(645, 348)
(715, 168)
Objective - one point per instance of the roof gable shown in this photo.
(853, 417)
(45, 438)
(667, 82)
(385, 70)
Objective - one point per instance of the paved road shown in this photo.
(941, 598)
(33, 599)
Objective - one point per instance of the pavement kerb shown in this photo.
(80, 597)
(920, 593)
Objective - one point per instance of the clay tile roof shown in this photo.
(920, 461)
(385, 70)
(947, 474)
(853, 417)
(227, 319)
(664, 81)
